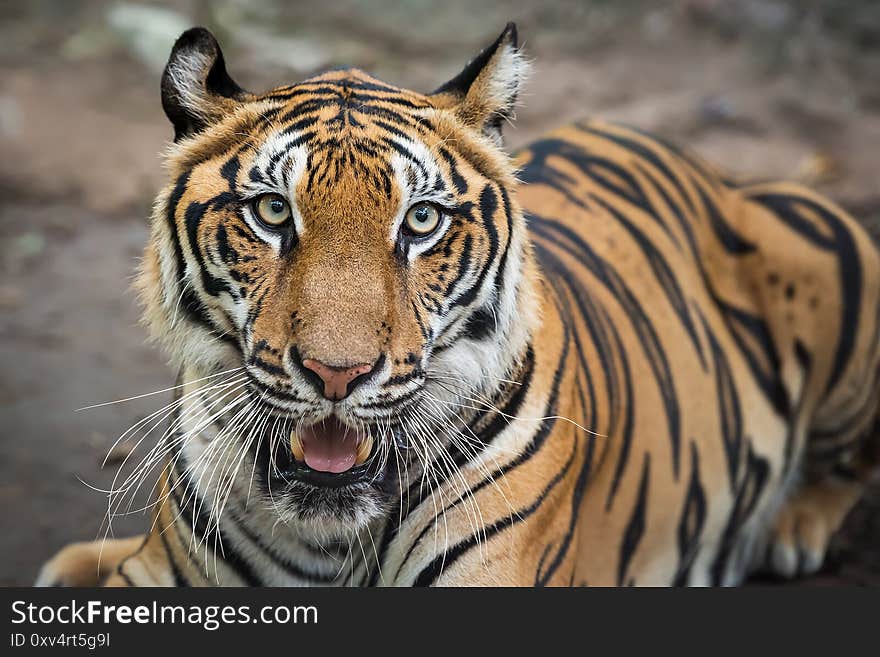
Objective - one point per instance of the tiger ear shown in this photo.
(196, 89)
(485, 92)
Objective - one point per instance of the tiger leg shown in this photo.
(838, 460)
(837, 465)
(87, 564)
(806, 523)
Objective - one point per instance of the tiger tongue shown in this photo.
(329, 446)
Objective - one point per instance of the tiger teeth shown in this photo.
(363, 450)
(296, 447)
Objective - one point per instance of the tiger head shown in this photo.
(354, 250)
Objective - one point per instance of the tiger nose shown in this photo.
(338, 381)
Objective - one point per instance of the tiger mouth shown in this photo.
(331, 446)
(326, 454)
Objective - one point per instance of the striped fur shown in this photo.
(610, 365)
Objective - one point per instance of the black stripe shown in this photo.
(748, 492)
(647, 334)
(458, 181)
(432, 571)
(280, 561)
(663, 274)
(849, 263)
(543, 576)
(635, 528)
(179, 579)
(732, 242)
(766, 375)
(189, 301)
(486, 435)
(693, 519)
(488, 207)
(728, 405)
(199, 523)
(417, 491)
(646, 154)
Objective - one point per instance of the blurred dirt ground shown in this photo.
(764, 88)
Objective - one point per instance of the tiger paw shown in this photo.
(86, 564)
(805, 525)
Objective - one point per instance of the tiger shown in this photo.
(410, 357)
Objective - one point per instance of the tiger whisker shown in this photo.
(156, 392)
(488, 406)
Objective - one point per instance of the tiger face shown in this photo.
(356, 250)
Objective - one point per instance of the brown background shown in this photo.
(765, 88)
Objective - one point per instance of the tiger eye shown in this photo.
(422, 219)
(272, 209)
